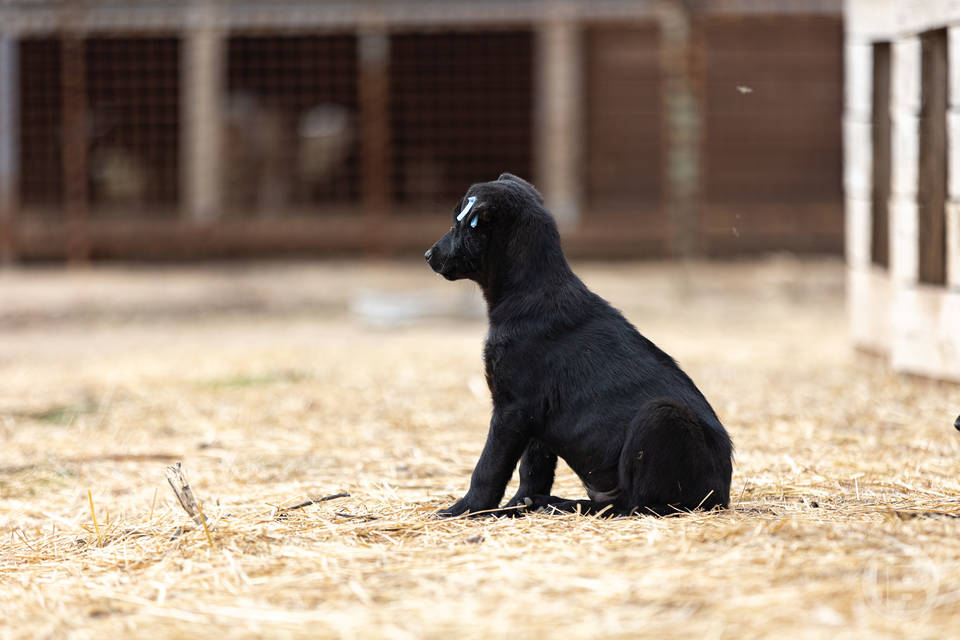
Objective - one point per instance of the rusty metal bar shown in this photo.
(374, 90)
(41, 16)
(344, 233)
(373, 51)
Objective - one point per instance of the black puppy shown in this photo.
(570, 377)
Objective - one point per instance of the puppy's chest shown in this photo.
(510, 368)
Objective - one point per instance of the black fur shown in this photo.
(570, 377)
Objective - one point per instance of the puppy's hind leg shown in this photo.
(672, 461)
(537, 468)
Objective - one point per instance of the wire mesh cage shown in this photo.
(130, 125)
(133, 125)
(41, 115)
(290, 123)
(233, 116)
(461, 110)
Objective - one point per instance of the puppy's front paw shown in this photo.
(472, 506)
(460, 507)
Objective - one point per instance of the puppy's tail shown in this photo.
(673, 461)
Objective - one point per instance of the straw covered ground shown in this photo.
(272, 385)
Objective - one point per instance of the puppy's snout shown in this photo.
(426, 256)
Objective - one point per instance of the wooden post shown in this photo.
(558, 100)
(866, 182)
(9, 154)
(203, 75)
(683, 117)
(858, 155)
(374, 90)
(905, 126)
(953, 160)
(76, 205)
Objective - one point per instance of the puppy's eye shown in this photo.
(473, 223)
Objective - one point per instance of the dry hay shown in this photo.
(845, 485)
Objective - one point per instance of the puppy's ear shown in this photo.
(509, 177)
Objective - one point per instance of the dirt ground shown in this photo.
(274, 383)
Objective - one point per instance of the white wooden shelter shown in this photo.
(902, 181)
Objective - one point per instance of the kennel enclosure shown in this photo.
(149, 129)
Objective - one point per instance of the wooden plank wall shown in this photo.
(773, 107)
(624, 126)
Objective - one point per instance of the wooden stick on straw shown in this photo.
(311, 501)
(181, 488)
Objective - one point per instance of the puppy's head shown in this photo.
(484, 222)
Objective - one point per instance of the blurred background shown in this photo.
(171, 130)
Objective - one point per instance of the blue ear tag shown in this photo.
(473, 223)
(463, 214)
